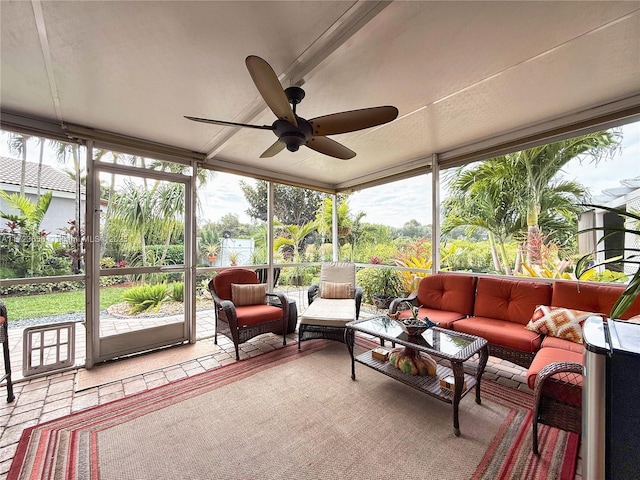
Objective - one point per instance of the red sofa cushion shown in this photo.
(549, 355)
(448, 292)
(590, 297)
(445, 318)
(561, 343)
(510, 300)
(507, 334)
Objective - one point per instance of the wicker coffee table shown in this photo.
(453, 347)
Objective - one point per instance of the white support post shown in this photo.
(435, 214)
(92, 260)
(270, 205)
(334, 226)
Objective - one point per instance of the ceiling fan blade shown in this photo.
(330, 147)
(274, 149)
(352, 120)
(229, 124)
(269, 87)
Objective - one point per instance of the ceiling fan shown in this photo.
(294, 131)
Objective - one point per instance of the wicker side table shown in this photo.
(4, 339)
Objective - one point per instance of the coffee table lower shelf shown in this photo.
(426, 384)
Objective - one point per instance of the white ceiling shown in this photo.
(463, 74)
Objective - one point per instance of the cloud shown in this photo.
(395, 203)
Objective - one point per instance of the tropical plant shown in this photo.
(293, 236)
(177, 291)
(234, 257)
(388, 282)
(540, 165)
(23, 246)
(324, 216)
(521, 194)
(208, 235)
(212, 250)
(146, 297)
(631, 256)
(416, 257)
(149, 213)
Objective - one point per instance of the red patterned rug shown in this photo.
(290, 414)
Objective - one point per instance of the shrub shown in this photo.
(177, 291)
(609, 276)
(378, 280)
(6, 272)
(30, 289)
(107, 262)
(145, 297)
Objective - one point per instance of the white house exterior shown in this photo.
(626, 197)
(63, 203)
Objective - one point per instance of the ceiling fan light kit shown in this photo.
(294, 131)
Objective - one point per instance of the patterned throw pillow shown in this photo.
(336, 290)
(248, 294)
(559, 322)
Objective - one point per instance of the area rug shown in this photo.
(289, 414)
(148, 362)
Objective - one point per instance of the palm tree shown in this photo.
(485, 197)
(62, 150)
(132, 206)
(540, 165)
(294, 235)
(509, 193)
(18, 145)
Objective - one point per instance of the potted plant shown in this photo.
(233, 258)
(387, 286)
(212, 252)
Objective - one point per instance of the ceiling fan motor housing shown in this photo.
(293, 137)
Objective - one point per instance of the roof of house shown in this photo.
(50, 179)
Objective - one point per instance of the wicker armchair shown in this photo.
(242, 308)
(4, 340)
(558, 398)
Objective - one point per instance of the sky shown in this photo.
(396, 203)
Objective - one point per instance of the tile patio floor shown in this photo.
(49, 397)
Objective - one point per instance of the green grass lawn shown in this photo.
(43, 305)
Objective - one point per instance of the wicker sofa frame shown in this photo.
(557, 389)
(518, 357)
(558, 398)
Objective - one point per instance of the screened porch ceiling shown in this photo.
(470, 79)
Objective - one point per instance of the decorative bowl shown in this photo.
(415, 326)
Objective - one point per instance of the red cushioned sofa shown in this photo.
(498, 309)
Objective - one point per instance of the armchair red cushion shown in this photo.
(256, 314)
(223, 280)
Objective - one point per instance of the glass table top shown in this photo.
(446, 343)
